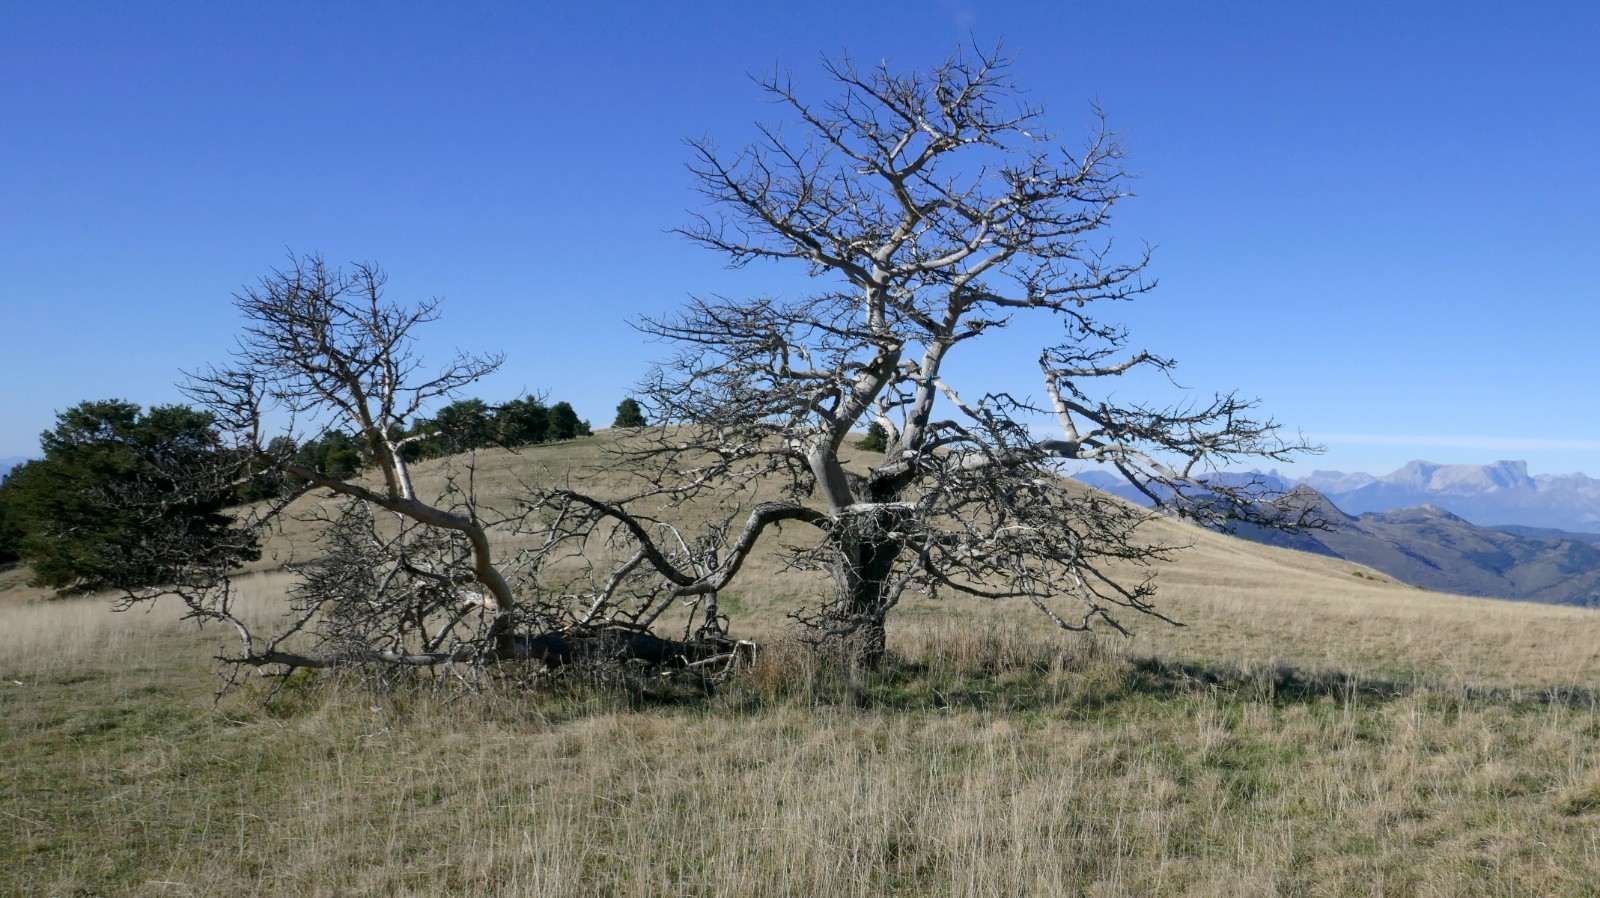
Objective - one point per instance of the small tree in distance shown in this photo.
(565, 424)
(876, 438)
(629, 414)
(463, 425)
(522, 421)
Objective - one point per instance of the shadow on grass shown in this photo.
(1077, 680)
(971, 672)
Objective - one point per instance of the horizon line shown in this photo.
(1535, 444)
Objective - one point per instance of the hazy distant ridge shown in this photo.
(1427, 546)
(1490, 495)
(1417, 525)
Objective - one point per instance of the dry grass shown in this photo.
(986, 762)
(1311, 732)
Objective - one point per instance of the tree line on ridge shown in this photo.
(117, 483)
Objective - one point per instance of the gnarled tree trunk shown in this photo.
(863, 570)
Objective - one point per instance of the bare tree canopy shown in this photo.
(932, 208)
(323, 349)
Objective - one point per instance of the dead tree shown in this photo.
(932, 208)
(401, 579)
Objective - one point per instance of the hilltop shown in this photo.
(1219, 586)
(1287, 595)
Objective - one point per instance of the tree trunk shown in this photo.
(861, 581)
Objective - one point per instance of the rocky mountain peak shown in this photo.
(1425, 475)
(1488, 495)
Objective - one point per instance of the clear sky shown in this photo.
(1380, 218)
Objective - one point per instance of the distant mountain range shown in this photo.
(1428, 546)
(1491, 495)
(1592, 539)
(1502, 494)
(1481, 530)
(6, 464)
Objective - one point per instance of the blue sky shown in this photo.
(1379, 218)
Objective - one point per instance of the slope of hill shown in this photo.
(1428, 546)
(1255, 602)
(1592, 539)
(1222, 588)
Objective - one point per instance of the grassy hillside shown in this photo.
(1314, 730)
